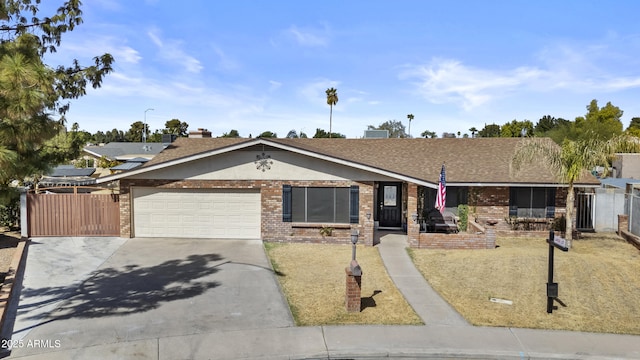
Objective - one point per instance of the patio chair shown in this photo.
(443, 222)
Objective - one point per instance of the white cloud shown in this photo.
(171, 51)
(126, 54)
(171, 92)
(274, 85)
(315, 92)
(89, 48)
(591, 67)
(224, 61)
(619, 84)
(309, 37)
(154, 37)
(449, 81)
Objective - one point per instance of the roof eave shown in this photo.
(524, 184)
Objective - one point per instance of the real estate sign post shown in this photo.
(552, 287)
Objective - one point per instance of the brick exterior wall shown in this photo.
(273, 228)
(489, 203)
(485, 203)
(478, 240)
(492, 203)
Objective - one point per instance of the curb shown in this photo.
(7, 288)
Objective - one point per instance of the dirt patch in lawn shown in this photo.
(8, 243)
(598, 284)
(312, 277)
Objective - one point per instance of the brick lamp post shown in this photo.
(354, 279)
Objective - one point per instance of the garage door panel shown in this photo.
(196, 213)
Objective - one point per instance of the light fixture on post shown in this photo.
(414, 217)
(354, 241)
(144, 129)
(353, 299)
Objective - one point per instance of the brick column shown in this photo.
(366, 207)
(490, 235)
(413, 228)
(354, 288)
(623, 223)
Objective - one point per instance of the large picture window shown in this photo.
(320, 204)
(532, 202)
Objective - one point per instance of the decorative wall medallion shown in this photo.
(263, 162)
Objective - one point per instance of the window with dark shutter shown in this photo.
(354, 204)
(286, 203)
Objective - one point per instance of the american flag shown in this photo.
(441, 197)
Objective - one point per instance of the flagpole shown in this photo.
(441, 196)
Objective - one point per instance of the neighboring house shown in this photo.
(130, 164)
(66, 171)
(67, 175)
(626, 166)
(121, 151)
(289, 189)
(618, 183)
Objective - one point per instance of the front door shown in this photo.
(390, 204)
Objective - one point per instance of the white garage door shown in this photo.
(196, 213)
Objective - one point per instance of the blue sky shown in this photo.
(264, 65)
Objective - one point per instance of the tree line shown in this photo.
(601, 123)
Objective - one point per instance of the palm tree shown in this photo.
(410, 117)
(473, 131)
(332, 99)
(571, 161)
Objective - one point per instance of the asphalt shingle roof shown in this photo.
(467, 160)
(70, 170)
(115, 150)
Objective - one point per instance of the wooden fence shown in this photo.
(73, 214)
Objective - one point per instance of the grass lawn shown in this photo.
(599, 282)
(312, 277)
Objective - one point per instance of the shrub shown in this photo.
(559, 224)
(10, 210)
(463, 215)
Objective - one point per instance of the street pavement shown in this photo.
(113, 298)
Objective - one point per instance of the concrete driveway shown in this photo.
(80, 293)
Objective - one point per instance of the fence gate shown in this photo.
(585, 211)
(73, 214)
(609, 203)
(634, 213)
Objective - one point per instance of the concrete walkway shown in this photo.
(419, 294)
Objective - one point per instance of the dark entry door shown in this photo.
(390, 204)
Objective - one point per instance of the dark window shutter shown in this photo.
(354, 204)
(286, 203)
(551, 203)
(513, 208)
